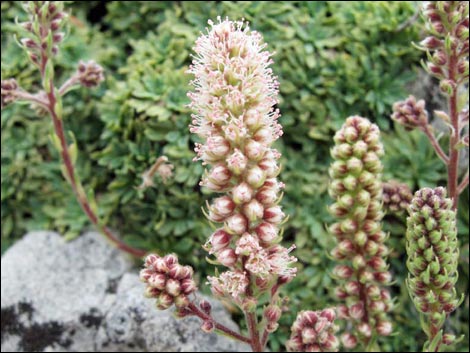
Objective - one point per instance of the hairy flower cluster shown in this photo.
(396, 196)
(447, 24)
(410, 113)
(167, 281)
(356, 187)
(433, 254)
(314, 331)
(90, 74)
(9, 88)
(233, 103)
(46, 19)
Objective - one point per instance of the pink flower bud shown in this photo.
(383, 277)
(272, 313)
(236, 224)
(242, 193)
(255, 177)
(223, 206)
(266, 232)
(157, 280)
(328, 314)
(161, 266)
(219, 240)
(364, 329)
(205, 306)
(342, 271)
(343, 312)
(254, 150)
(219, 175)
(207, 326)
(170, 260)
(253, 119)
(267, 195)
(373, 292)
(237, 162)
(164, 301)
(431, 43)
(357, 311)
(273, 215)
(173, 287)
(352, 288)
(188, 286)
(384, 328)
(264, 136)
(181, 301)
(270, 167)
(227, 257)
(217, 147)
(308, 335)
(253, 210)
(377, 263)
(348, 340)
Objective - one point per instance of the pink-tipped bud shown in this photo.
(273, 215)
(242, 193)
(264, 136)
(236, 224)
(253, 210)
(266, 232)
(227, 257)
(364, 329)
(207, 326)
(373, 292)
(157, 280)
(270, 167)
(219, 175)
(272, 313)
(342, 311)
(170, 260)
(308, 335)
(219, 240)
(384, 328)
(181, 301)
(223, 206)
(255, 177)
(348, 340)
(164, 301)
(161, 266)
(431, 43)
(173, 287)
(383, 277)
(254, 150)
(357, 311)
(237, 162)
(205, 306)
(188, 286)
(343, 271)
(352, 288)
(267, 195)
(253, 119)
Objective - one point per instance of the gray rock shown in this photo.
(84, 295)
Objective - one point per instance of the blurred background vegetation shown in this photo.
(333, 59)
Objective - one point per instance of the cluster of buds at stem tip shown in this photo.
(234, 115)
(356, 187)
(396, 196)
(43, 29)
(167, 281)
(89, 74)
(410, 113)
(433, 255)
(314, 331)
(9, 90)
(447, 43)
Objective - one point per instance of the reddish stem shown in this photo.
(218, 326)
(452, 166)
(440, 152)
(252, 323)
(70, 170)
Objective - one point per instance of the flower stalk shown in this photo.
(41, 43)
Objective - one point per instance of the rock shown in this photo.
(85, 295)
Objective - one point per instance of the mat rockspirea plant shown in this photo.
(235, 116)
(432, 242)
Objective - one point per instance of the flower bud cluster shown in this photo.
(433, 254)
(89, 74)
(9, 89)
(447, 43)
(396, 196)
(167, 281)
(233, 103)
(314, 331)
(356, 187)
(410, 113)
(43, 29)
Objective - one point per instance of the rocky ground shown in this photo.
(85, 295)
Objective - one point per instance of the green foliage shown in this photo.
(333, 59)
